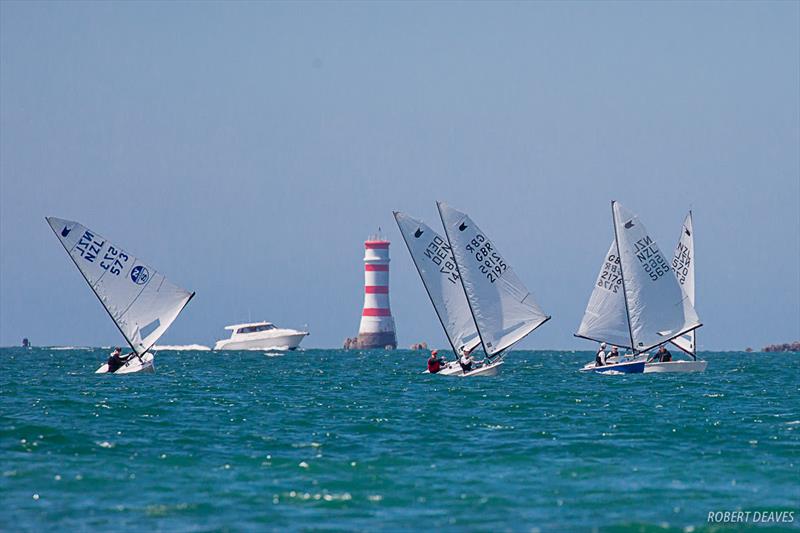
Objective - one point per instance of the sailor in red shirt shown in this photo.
(434, 363)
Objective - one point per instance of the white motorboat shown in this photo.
(637, 302)
(260, 336)
(144, 364)
(141, 302)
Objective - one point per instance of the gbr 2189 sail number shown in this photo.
(491, 264)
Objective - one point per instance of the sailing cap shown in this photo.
(602, 345)
(434, 352)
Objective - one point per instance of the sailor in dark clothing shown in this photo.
(600, 356)
(116, 360)
(661, 356)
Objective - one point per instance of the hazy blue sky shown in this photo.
(246, 151)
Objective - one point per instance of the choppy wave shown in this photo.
(183, 347)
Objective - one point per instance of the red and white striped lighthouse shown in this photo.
(377, 324)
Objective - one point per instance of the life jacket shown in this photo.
(434, 365)
(598, 361)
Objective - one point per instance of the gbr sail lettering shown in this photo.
(650, 258)
(681, 262)
(611, 276)
(489, 261)
(439, 252)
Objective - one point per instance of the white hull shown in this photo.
(282, 342)
(454, 369)
(133, 366)
(676, 366)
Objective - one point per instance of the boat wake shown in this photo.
(183, 347)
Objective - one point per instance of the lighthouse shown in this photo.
(377, 323)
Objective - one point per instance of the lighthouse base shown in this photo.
(381, 340)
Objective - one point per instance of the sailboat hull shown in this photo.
(676, 366)
(134, 366)
(454, 369)
(630, 367)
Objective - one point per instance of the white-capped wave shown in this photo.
(182, 347)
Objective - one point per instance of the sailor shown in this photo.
(115, 360)
(614, 353)
(662, 355)
(466, 362)
(434, 363)
(600, 356)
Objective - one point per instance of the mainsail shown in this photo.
(503, 308)
(140, 300)
(658, 308)
(434, 260)
(683, 266)
(606, 319)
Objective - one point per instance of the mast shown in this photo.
(622, 275)
(446, 334)
(461, 279)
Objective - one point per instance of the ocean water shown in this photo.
(334, 440)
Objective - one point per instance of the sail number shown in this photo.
(114, 260)
(490, 263)
(439, 252)
(681, 262)
(90, 248)
(650, 258)
(611, 276)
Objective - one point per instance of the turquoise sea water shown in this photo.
(326, 439)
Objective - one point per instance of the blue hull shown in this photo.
(634, 367)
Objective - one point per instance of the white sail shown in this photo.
(683, 266)
(434, 260)
(503, 308)
(140, 300)
(605, 319)
(658, 308)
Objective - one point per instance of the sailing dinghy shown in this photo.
(637, 303)
(436, 267)
(141, 302)
(502, 308)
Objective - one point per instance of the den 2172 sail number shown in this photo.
(490, 262)
(650, 258)
(441, 255)
(610, 277)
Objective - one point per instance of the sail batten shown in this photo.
(140, 301)
(503, 308)
(433, 259)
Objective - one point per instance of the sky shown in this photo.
(246, 150)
